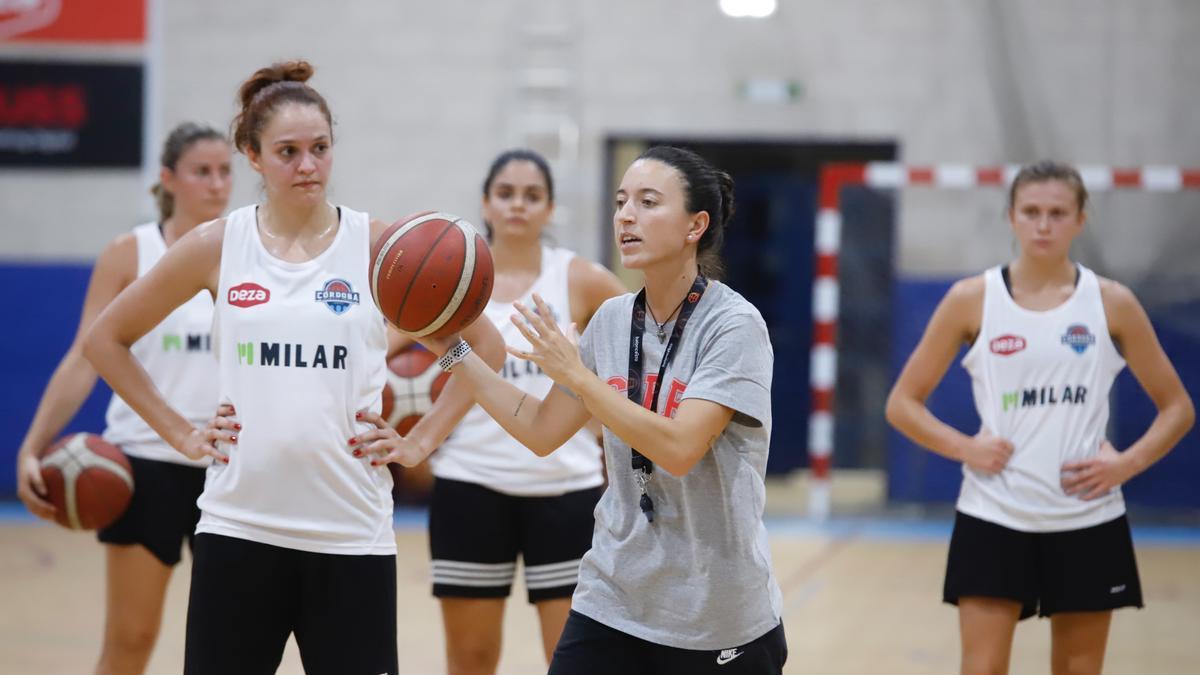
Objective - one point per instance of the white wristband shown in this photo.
(454, 355)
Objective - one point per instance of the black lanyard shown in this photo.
(637, 326)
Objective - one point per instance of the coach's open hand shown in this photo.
(554, 351)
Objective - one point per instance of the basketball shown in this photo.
(431, 274)
(89, 481)
(414, 383)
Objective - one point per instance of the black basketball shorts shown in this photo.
(475, 534)
(163, 512)
(1086, 570)
(247, 597)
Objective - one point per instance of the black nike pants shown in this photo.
(588, 647)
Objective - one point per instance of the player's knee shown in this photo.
(1076, 664)
(132, 640)
(983, 669)
(983, 664)
(475, 659)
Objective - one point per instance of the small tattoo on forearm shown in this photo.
(519, 404)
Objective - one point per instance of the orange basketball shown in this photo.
(431, 274)
(88, 480)
(414, 383)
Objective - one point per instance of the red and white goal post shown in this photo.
(890, 175)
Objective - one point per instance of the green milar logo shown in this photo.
(1046, 395)
(191, 342)
(1010, 400)
(246, 353)
(293, 355)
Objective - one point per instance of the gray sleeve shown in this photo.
(587, 342)
(734, 370)
(587, 347)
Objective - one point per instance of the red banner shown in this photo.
(74, 21)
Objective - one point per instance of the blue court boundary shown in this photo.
(404, 518)
(938, 529)
(870, 528)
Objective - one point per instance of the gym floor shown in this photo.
(861, 595)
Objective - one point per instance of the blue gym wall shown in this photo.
(40, 333)
(43, 331)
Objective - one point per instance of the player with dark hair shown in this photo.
(678, 579)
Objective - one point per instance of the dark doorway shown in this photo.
(768, 255)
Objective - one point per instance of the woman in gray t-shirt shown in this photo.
(679, 577)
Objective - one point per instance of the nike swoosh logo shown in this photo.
(724, 658)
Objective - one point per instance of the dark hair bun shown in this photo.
(725, 183)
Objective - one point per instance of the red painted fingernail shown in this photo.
(358, 416)
(237, 426)
(353, 441)
(374, 463)
(225, 459)
(357, 453)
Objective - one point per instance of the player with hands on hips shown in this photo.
(1040, 525)
(293, 525)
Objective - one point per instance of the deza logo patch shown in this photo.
(1007, 345)
(248, 294)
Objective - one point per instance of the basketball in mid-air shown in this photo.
(431, 274)
(88, 479)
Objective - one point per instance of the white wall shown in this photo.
(423, 98)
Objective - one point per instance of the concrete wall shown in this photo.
(425, 94)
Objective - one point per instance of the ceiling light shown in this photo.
(755, 9)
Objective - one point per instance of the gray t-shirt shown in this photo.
(699, 576)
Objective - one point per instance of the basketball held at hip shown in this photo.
(89, 481)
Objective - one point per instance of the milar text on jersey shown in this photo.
(292, 355)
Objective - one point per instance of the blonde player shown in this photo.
(678, 579)
(143, 546)
(493, 499)
(295, 534)
(1041, 526)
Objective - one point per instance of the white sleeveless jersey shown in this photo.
(1041, 380)
(301, 348)
(481, 451)
(177, 354)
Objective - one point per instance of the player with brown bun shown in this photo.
(295, 535)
